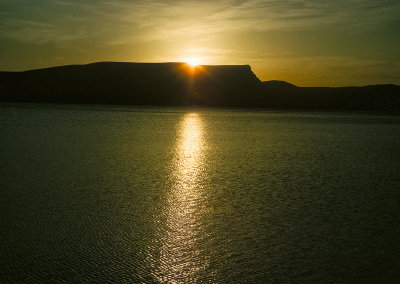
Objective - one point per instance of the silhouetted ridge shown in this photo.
(219, 84)
(277, 84)
(178, 84)
(103, 83)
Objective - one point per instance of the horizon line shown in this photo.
(200, 65)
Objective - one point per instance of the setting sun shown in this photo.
(193, 61)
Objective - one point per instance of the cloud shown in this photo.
(39, 32)
(128, 21)
(43, 22)
(207, 19)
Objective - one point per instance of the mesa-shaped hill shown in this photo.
(177, 84)
(128, 83)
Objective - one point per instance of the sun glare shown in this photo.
(193, 61)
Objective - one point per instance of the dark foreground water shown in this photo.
(96, 195)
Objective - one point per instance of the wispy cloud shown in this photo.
(208, 20)
(39, 32)
(124, 21)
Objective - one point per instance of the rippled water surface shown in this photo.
(130, 195)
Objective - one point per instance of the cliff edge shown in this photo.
(178, 84)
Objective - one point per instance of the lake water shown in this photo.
(168, 195)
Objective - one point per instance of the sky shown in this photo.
(304, 42)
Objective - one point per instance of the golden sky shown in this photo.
(304, 42)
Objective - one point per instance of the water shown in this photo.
(130, 195)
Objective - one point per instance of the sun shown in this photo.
(193, 61)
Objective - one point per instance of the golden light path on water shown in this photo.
(180, 255)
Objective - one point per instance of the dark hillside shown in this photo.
(179, 85)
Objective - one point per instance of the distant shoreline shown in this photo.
(133, 108)
(178, 84)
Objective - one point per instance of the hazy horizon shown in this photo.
(182, 62)
(306, 43)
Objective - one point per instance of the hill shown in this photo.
(177, 84)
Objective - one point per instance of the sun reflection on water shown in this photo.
(180, 254)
